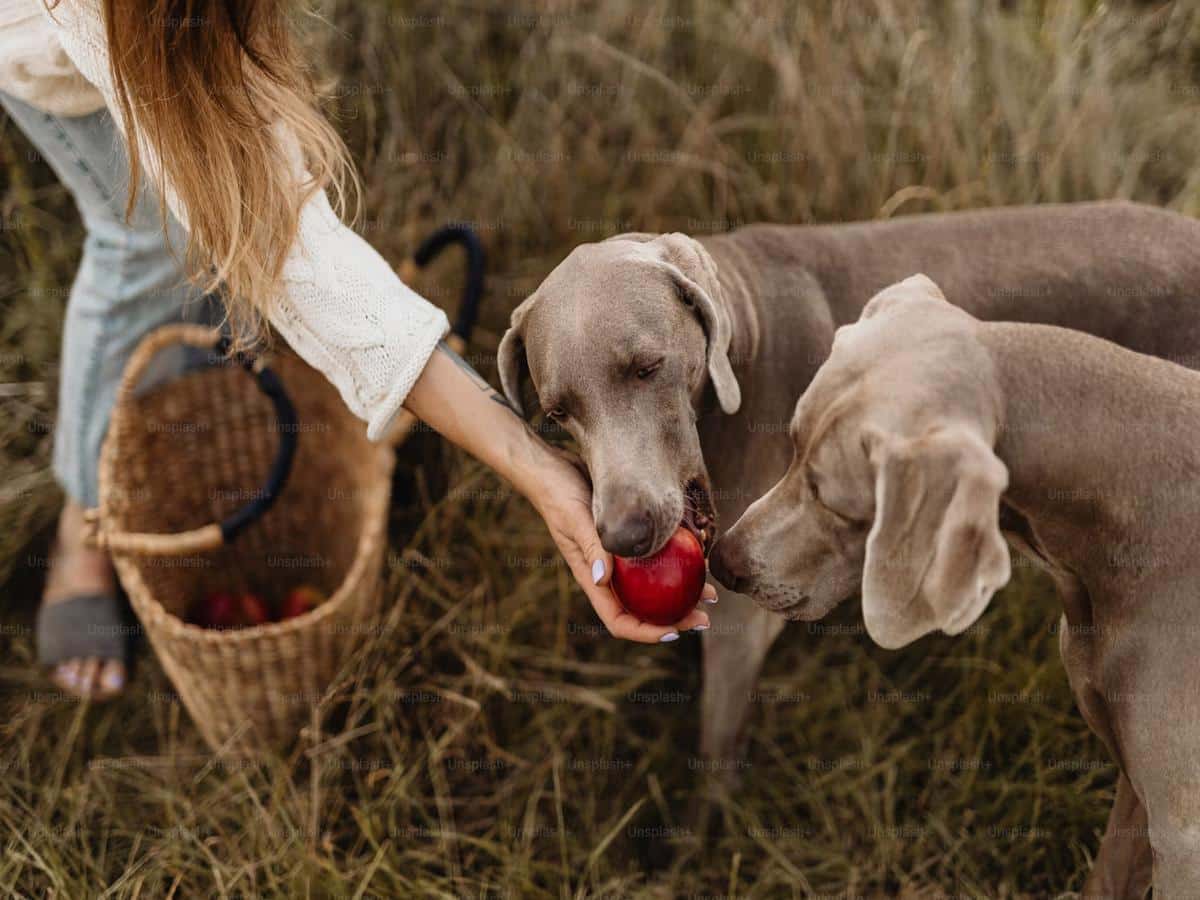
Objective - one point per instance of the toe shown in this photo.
(66, 676)
(89, 671)
(112, 678)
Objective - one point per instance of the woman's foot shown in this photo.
(78, 570)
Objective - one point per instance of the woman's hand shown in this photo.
(453, 398)
(564, 500)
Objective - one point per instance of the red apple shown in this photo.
(299, 601)
(252, 610)
(665, 587)
(217, 609)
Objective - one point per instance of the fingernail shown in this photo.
(597, 571)
(668, 637)
(712, 599)
(700, 628)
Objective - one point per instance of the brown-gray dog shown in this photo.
(675, 363)
(923, 425)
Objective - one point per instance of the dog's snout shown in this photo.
(729, 565)
(628, 534)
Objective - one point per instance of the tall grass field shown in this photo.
(489, 739)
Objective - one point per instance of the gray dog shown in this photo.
(923, 425)
(675, 362)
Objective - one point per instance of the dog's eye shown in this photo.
(816, 492)
(840, 516)
(645, 372)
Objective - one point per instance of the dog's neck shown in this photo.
(778, 313)
(1102, 447)
(737, 290)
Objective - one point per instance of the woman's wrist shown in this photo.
(459, 404)
(530, 460)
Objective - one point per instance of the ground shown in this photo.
(490, 741)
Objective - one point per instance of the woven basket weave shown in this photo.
(183, 456)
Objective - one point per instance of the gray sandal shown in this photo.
(82, 627)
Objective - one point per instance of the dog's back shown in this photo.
(1118, 270)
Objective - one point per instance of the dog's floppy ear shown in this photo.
(695, 276)
(935, 554)
(510, 357)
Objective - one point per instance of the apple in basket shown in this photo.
(253, 610)
(663, 588)
(218, 609)
(222, 609)
(299, 601)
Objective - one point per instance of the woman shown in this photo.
(207, 102)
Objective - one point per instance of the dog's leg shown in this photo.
(1151, 836)
(1124, 864)
(734, 649)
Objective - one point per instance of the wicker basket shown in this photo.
(180, 474)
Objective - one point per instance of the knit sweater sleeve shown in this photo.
(341, 307)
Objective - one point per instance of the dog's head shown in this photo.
(622, 341)
(893, 487)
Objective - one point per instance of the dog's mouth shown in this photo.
(699, 514)
(787, 601)
(801, 611)
(808, 609)
(797, 609)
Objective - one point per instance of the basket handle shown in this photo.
(216, 534)
(432, 247)
(468, 306)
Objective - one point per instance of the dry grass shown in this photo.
(493, 744)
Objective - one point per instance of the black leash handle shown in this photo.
(100, 529)
(466, 237)
(287, 424)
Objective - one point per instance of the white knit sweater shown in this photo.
(342, 308)
(35, 68)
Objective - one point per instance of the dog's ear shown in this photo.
(935, 554)
(914, 288)
(695, 276)
(510, 357)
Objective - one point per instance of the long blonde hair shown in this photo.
(208, 84)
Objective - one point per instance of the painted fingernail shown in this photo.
(597, 571)
(668, 637)
(113, 679)
(700, 628)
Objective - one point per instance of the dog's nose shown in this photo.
(631, 535)
(729, 565)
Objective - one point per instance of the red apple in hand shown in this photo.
(663, 588)
(299, 601)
